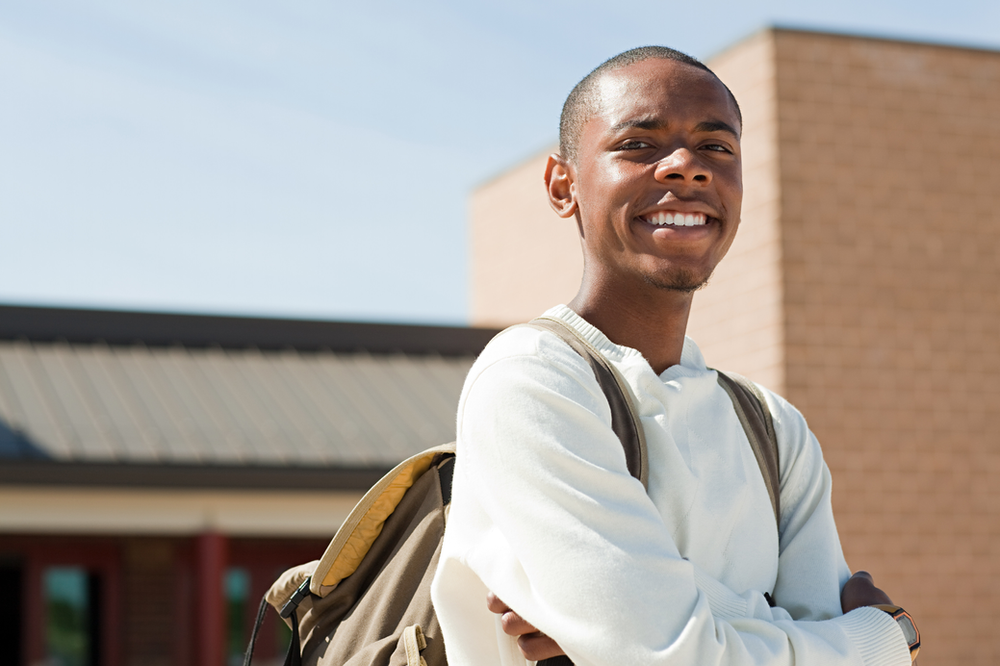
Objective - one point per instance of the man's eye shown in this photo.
(717, 147)
(634, 144)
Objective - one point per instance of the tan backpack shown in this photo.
(367, 601)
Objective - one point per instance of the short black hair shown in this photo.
(582, 100)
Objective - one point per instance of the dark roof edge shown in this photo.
(191, 477)
(115, 327)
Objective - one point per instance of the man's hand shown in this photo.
(860, 591)
(534, 645)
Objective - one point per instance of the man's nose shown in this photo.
(682, 164)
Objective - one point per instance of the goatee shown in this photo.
(683, 281)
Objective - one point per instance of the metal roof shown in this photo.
(199, 412)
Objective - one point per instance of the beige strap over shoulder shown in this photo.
(624, 420)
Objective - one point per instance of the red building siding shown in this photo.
(162, 600)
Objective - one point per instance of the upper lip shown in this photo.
(684, 207)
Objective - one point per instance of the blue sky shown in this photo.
(313, 159)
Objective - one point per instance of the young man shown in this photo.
(544, 511)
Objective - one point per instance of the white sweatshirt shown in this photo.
(545, 513)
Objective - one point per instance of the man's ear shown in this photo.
(560, 186)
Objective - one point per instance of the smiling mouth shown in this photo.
(667, 218)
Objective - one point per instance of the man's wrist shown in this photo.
(910, 632)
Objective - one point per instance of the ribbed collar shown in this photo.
(692, 361)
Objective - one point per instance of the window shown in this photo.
(71, 598)
(237, 588)
(241, 611)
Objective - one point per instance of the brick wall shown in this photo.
(890, 200)
(524, 257)
(737, 319)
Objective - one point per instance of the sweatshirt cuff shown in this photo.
(877, 636)
(725, 604)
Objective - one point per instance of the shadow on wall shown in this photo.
(15, 444)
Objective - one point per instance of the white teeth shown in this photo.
(662, 218)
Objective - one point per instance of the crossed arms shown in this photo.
(546, 515)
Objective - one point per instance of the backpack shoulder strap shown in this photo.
(755, 417)
(624, 420)
(748, 402)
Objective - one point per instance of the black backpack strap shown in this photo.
(624, 420)
(294, 655)
(261, 610)
(755, 417)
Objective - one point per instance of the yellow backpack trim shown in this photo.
(355, 537)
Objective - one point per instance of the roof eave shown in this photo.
(187, 476)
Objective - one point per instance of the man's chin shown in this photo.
(682, 281)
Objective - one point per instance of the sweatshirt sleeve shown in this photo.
(811, 565)
(557, 527)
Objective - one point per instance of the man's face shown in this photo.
(658, 179)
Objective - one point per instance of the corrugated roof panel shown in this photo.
(359, 368)
(12, 417)
(377, 403)
(97, 437)
(225, 440)
(109, 401)
(341, 434)
(279, 393)
(157, 412)
(433, 383)
(259, 437)
(322, 416)
(419, 378)
(184, 411)
(410, 420)
(282, 418)
(45, 419)
(359, 416)
(94, 402)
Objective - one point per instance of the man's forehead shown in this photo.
(658, 86)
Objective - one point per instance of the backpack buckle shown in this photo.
(296, 598)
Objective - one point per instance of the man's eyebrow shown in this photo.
(639, 123)
(655, 124)
(716, 126)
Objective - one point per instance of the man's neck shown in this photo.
(651, 323)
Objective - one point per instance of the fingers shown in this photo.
(860, 590)
(534, 645)
(538, 646)
(512, 623)
(494, 604)
(515, 625)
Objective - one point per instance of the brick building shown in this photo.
(864, 285)
(158, 471)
